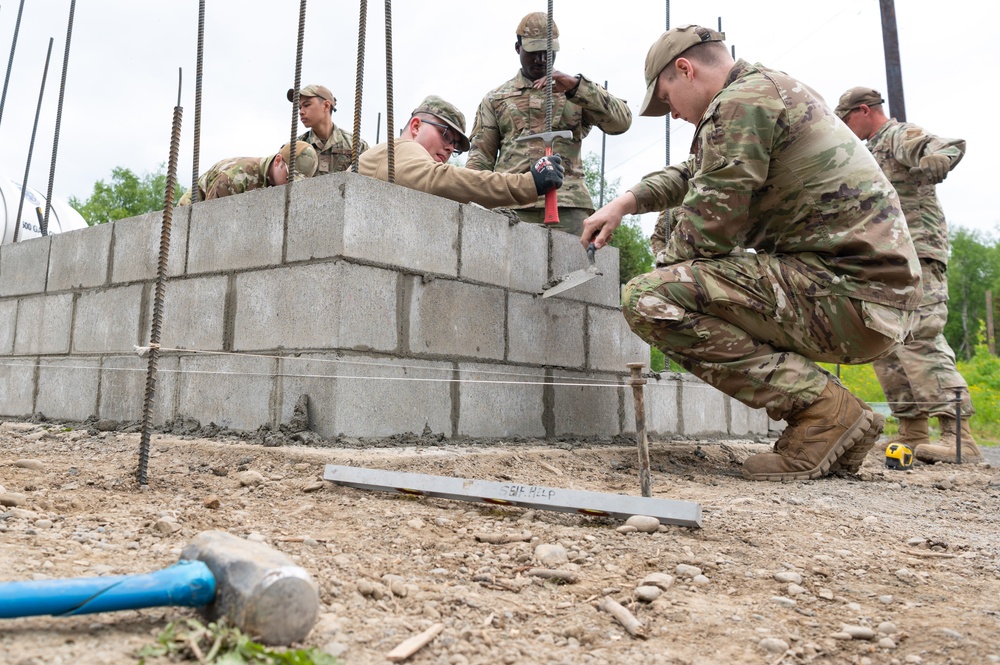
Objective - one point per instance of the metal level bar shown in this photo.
(538, 497)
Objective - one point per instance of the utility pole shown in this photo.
(893, 70)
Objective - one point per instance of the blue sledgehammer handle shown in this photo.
(187, 584)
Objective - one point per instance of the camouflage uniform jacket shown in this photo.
(898, 147)
(416, 169)
(335, 152)
(233, 176)
(516, 109)
(775, 170)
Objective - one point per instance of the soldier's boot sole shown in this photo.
(852, 436)
(971, 454)
(852, 460)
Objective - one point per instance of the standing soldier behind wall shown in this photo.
(332, 144)
(833, 278)
(517, 108)
(920, 378)
(242, 174)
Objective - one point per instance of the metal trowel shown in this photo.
(577, 277)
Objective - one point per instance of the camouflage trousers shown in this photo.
(570, 219)
(754, 325)
(919, 379)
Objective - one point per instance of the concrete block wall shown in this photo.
(394, 310)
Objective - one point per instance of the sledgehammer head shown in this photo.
(258, 589)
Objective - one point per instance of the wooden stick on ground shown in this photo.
(564, 576)
(503, 538)
(408, 647)
(628, 621)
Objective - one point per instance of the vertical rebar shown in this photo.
(31, 146)
(359, 83)
(388, 91)
(637, 383)
(378, 127)
(59, 110)
(10, 61)
(199, 62)
(958, 425)
(161, 280)
(295, 95)
(666, 119)
(893, 68)
(604, 147)
(548, 72)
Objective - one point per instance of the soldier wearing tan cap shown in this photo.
(517, 108)
(919, 379)
(833, 276)
(242, 174)
(332, 144)
(436, 130)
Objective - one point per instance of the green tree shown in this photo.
(634, 254)
(127, 195)
(973, 269)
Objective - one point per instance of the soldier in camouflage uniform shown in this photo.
(517, 108)
(833, 276)
(920, 378)
(435, 131)
(332, 144)
(242, 174)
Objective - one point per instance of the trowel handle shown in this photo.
(551, 205)
(187, 583)
(591, 250)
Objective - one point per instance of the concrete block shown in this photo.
(193, 313)
(237, 232)
(8, 320)
(17, 376)
(586, 404)
(739, 418)
(136, 252)
(501, 401)
(327, 305)
(545, 331)
(662, 406)
(611, 344)
(43, 324)
(758, 422)
(230, 391)
(494, 252)
(455, 319)
(24, 266)
(316, 217)
(371, 396)
(79, 259)
(107, 321)
(123, 388)
(568, 256)
(396, 226)
(703, 408)
(67, 388)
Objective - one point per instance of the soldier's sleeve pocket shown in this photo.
(889, 321)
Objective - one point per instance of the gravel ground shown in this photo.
(882, 567)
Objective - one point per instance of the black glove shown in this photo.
(548, 174)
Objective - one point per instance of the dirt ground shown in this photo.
(883, 567)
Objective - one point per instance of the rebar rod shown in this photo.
(199, 68)
(359, 79)
(31, 146)
(10, 60)
(59, 110)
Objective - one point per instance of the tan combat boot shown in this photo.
(945, 449)
(852, 460)
(815, 438)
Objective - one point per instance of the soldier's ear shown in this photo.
(517, 47)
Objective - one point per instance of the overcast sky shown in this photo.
(122, 80)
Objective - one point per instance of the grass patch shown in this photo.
(222, 644)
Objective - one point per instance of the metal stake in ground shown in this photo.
(637, 383)
(958, 425)
(161, 281)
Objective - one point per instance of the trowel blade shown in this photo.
(573, 279)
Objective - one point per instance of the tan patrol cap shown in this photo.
(306, 160)
(314, 90)
(855, 97)
(448, 112)
(670, 45)
(534, 32)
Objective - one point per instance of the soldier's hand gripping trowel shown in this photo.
(577, 277)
